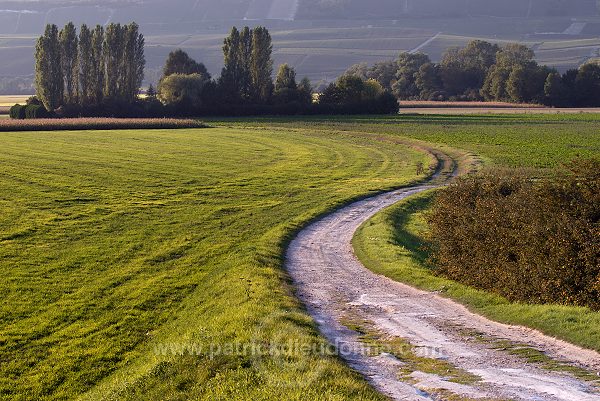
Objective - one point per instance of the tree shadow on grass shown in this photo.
(404, 235)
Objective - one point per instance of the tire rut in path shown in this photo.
(332, 284)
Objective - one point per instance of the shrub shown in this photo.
(528, 240)
(17, 112)
(36, 111)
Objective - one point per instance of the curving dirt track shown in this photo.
(335, 286)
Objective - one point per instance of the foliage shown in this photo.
(351, 94)
(49, 81)
(392, 243)
(179, 62)
(88, 69)
(182, 90)
(463, 71)
(383, 72)
(36, 111)
(246, 75)
(288, 91)
(408, 66)
(587, 85)
(85, 70)
(69, 62)
(527, 240)
(262, 64)
(482, 70)
(286, 78)
(429, 83)
(17, 112)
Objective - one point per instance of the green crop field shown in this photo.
(117, 244)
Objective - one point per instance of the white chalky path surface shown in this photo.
(331, 282)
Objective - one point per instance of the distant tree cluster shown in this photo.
(246, 85)
(485, 71)
(98, 73)
(351, 94)
(90, 69)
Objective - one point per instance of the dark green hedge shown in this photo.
(532, 240)
(35, 111)
(17, 112)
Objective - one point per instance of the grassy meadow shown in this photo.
(528, 140)
(391, 243)
(132, 259)
(127, 255)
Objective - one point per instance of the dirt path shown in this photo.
(336, 287)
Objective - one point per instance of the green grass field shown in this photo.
(530, 140)
(391, 242)
(120, 247)
(127, 255)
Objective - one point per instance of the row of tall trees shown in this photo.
(98, 65)
(485, 71)
(246, 75)
(99, 73)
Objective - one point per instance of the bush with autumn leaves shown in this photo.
(528, 239)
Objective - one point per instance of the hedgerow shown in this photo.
(532, 240)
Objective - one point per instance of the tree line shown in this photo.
(99, 72)
(482, 71)
(245, 85)
(97, 66)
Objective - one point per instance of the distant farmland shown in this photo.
(320, 41)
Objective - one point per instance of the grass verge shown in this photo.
(391, 243)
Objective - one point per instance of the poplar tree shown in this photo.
(229, 81)
(48, 72)
(112, 51)
(70, 72)
(261, 66)
(85, 68)
(132, 62)
(245, 60)
(97, 65)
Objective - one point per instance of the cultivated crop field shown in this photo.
(124, 251)
(117, 243)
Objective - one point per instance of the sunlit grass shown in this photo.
(392, 243)
(114, 244)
